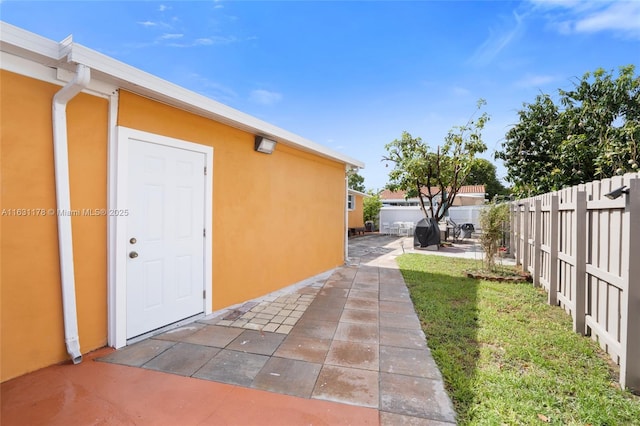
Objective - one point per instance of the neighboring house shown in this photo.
(465, 209)
(355, 208)
(140, 204)
(468, 195)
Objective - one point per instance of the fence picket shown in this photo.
(579, 268)
(553, 256)
(525, 236)
(630, 304)
(584, 248)
(537, 254)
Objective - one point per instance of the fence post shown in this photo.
(525, 236)
(630, 309)
(553, 255)
(580, 257)
(537, 242)
(512, 230)
(515, 226)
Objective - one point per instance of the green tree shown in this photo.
(603, 118)
(483, 172)
(356, 182)
(435, 177)
(591, 133)
(371, 207)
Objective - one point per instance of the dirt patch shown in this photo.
(501, 277)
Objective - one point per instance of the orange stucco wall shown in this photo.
(356, 216)
(32, 334)
(277, 219)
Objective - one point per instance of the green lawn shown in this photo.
(506, 356)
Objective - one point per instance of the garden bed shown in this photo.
(506, 275)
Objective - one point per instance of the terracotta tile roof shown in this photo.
(399, 195)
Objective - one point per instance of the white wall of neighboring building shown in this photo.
(466, 214)
(392, 214)
(459, 214)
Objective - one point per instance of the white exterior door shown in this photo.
(165, 248)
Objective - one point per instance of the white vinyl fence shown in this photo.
(459, 214)
(583, 248)
(466, 214)
(392, 214)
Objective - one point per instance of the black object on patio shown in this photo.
(427, 233)
(467, 230)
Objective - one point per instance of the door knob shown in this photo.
(133, 241)
(133, 255)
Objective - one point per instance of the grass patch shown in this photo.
(506, 356)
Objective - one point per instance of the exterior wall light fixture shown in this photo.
(616, 193)
(264, 145)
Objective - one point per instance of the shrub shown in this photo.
(494, 219)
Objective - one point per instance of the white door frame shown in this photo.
(117, 238)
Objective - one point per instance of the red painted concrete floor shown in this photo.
(99, 393)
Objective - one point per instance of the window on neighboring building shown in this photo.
(351, 202)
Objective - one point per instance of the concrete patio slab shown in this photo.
(402, 338)
(212, 335)
(353, 354)
(347, 385)
(303, 348)
(288, 376)
(93, 393)
(409, 362)
(358, 303)
(139, 353)
(355, 332)
(182, 358)
(233, 367)
(359, 316)
(179, 334)
(415, 396)
(315, 329)
(256, 342)
(398, 320)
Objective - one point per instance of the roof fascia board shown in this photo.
(24, 43)
(36, 70)
(28, 67)
(353, 191)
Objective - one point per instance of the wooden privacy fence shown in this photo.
(583, 248)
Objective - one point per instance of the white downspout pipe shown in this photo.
(63, 204)
(346, 214)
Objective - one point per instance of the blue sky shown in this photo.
(353, 75)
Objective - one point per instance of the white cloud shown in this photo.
(265, 97)
(205, 41)
(570, 17)
(223, 39)
(498, 40)
(533, 80)
(202, 42)
(171, 36)
(163, 7)
(620, 17)
(211, 88)
(460, 91)
(154, 24)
